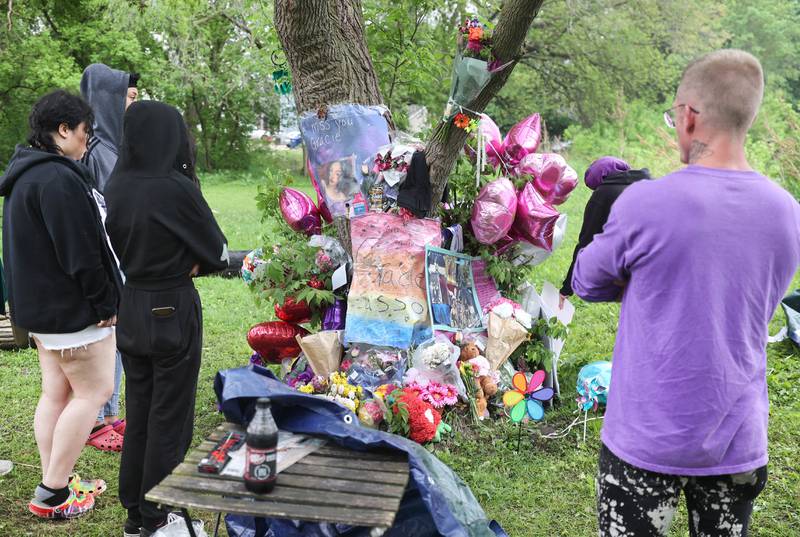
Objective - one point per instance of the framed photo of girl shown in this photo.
(339, 183)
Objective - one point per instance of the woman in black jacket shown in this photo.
(608, 177)
(164, 233)
(63, 287)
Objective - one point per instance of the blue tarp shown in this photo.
(436, 502)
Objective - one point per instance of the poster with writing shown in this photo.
(452, 298)
(338, 145)
(387, 302)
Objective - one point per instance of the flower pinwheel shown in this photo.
(525, 398)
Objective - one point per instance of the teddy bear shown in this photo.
(485, 385)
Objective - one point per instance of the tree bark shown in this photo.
(327, 52)
(444, 145)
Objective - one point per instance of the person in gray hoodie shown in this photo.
(109, 92)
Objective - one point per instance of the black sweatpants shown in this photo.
(632, 502)
(161, 349)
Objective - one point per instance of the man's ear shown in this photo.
(689, 118)
(63, 130)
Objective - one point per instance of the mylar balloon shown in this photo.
(531, 255)
(275, 340)
(522, 139)
(493, 143)
(292, 311)
(552, 176)
(300, 212)
(324, 211)
(494, 211)
(536, 219)
(594, 381)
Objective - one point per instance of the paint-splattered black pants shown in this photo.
(632, 502)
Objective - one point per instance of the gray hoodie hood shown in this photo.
(105, 89)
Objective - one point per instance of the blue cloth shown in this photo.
(111, 408)
(436, 502)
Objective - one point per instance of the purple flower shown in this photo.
(256, 359)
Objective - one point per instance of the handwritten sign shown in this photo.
(387, 303)
(338, 145)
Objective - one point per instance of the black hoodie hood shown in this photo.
(26, 157)
(153, 141)
(105, 89)
(626, 178)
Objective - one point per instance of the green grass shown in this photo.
(545, 489)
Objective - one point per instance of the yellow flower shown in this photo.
(306, 388)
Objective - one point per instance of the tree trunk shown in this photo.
(327, 52)
(330, 63)
(515, 18)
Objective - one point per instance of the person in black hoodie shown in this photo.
(63, 287)
(164, 233)
(608, 177)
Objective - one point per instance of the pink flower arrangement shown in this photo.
(439, 395)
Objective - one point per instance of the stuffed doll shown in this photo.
(485, 385)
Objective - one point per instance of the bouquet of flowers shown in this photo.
(475, 40)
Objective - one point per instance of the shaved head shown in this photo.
(726, 86)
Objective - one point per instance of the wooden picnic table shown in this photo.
(333, 484)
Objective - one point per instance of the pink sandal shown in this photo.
(119, 427)
(105, 439)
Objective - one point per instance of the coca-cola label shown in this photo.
(260, 464)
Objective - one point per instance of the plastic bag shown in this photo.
(470, 76)
(371, 366)
(332, 248)
(435, 361)
(176, 527)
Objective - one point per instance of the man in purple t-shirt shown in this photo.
(701, 259)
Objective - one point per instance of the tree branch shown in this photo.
(50, 23)
(243, 27)
(9, 13)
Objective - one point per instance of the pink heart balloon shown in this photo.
(536, 219)
(324, 211)
(490, 130)
(494, 210)
(552, 176)
(522, 139)
(300, 212)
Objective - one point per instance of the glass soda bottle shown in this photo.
(260, 470)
